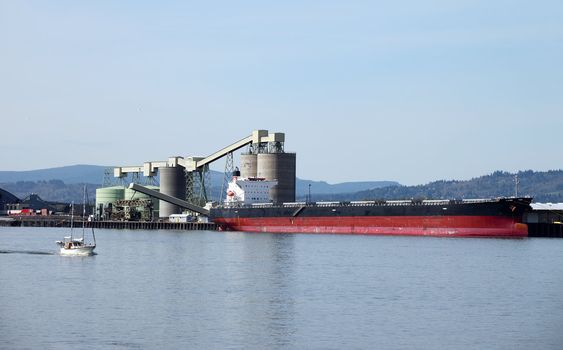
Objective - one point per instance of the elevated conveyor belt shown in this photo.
(257, 137)
(169, 199)
(223, 152)
(192, 163)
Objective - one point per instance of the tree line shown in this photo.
(546, 186)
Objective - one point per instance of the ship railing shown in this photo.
(435, 202)
(233, 205)
(477, 200)
(328, 204)
(294, 204)
(362, 203)
(261, 205)
(399, 202)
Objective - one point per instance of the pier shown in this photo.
(549, 230)
(545, 220)
(38, 221)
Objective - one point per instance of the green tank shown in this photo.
(107, 195)
(131, 194)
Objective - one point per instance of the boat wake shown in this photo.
(32, 252)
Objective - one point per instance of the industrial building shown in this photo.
(7, 200)
(545, 220)
(30, 205)
(184, 180)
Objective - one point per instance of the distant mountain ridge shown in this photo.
(72, 174)
(322, 187)
(543, 186)
(64, 184)
(59, 184)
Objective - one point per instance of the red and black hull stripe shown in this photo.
(494, 218)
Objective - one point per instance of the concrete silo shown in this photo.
(248, 165)
(280, 167)
(172, 183)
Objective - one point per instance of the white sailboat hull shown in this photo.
(73, 246)
(78, 251)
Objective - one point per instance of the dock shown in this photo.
(546, 230)
(545, 220)
(38, 221)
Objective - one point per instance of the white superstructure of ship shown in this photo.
(248, 190)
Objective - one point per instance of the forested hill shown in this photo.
(51, 190)
(544, 186)
(65, 184)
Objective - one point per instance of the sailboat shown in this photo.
(71, 245)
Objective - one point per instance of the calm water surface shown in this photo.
(210, 290)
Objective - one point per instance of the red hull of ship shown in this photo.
(439, 226)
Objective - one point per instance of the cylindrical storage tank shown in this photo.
(132, 194)
(107, 195)
(280, 167)
(248, 165)
(172, 183)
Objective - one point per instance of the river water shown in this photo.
(211, 290)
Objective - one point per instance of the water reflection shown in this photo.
(281, 325)
(262, 286)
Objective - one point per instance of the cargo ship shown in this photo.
(247, 209)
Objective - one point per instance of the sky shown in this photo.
(408, 90)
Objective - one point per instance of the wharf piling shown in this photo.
(126, 225)
(549, 230)
(545, 220)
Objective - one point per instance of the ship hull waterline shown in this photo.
(439, 226)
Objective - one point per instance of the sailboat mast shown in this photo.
(71, 219)
(92, 223)
(83, 212)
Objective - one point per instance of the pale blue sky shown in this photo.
(411, 91)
